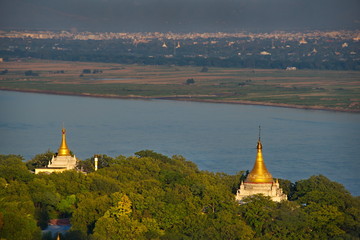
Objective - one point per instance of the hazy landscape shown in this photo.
(221, 54)
(179, 15)
(315, 89)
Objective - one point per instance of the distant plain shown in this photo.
(314, 89)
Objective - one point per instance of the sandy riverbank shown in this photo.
(176, 98)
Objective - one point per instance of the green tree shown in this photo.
(67, 205)
(331, 201)
(13, 168)
(40, 160)
(17, 210)
(105, 161)
(289, 221)
(257, 211)
(119, 228)
(319, 184)
(69, 182)
(103, 184)
(228, 226)
(122, 206)
(152, 196)
(30, 73)
(13, 219)
(286, 186)
(43, 192)
(190, 81)
(45, 199)
(352, 219)
(88, 165)
(217, 199)
(90, 207)
(324, 221)
(153, 228)
(152, 154)
(117, 223)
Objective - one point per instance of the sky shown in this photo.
(180, 15)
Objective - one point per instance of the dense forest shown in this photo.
(152, 196)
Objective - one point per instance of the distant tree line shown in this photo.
(190, 81)
(256, 62)
(152, 196)
(244, 54)
(31, 73)
(3, 72)
(89, 71)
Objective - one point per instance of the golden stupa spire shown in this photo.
(63, 149)
(259, 173)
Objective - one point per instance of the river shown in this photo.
(297, 143)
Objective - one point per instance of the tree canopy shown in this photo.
(152, 196)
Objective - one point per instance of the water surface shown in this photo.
(217, 137)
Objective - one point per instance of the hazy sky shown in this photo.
(180, 15)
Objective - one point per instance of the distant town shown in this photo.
(74, 35)
(331, 50)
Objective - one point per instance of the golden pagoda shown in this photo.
(260, 180)
(259, 173)
(63, 149)
(62, 161)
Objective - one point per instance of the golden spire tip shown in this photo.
(63, 149)
(259, 173)
(259, 145)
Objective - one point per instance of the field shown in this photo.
(314, 89)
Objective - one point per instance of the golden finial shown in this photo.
(259, 132)
(259, 173)
(259, 145)
(63, 149)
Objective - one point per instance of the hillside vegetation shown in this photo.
(152, 196)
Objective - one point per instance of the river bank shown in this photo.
(304, 89)
(186, 98)
(217, 137)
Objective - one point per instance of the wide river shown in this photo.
(217, 137)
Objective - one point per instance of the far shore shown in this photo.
(182, 98)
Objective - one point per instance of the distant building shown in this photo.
(265, 53)
(303, 41)
(259, 180)
(62, 161)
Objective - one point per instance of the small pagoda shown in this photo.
(260, 181)
(62, 161)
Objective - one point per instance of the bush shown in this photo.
(30, 73)
(190, 81)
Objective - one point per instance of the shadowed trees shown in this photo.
(40, 160)
(152, 196)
